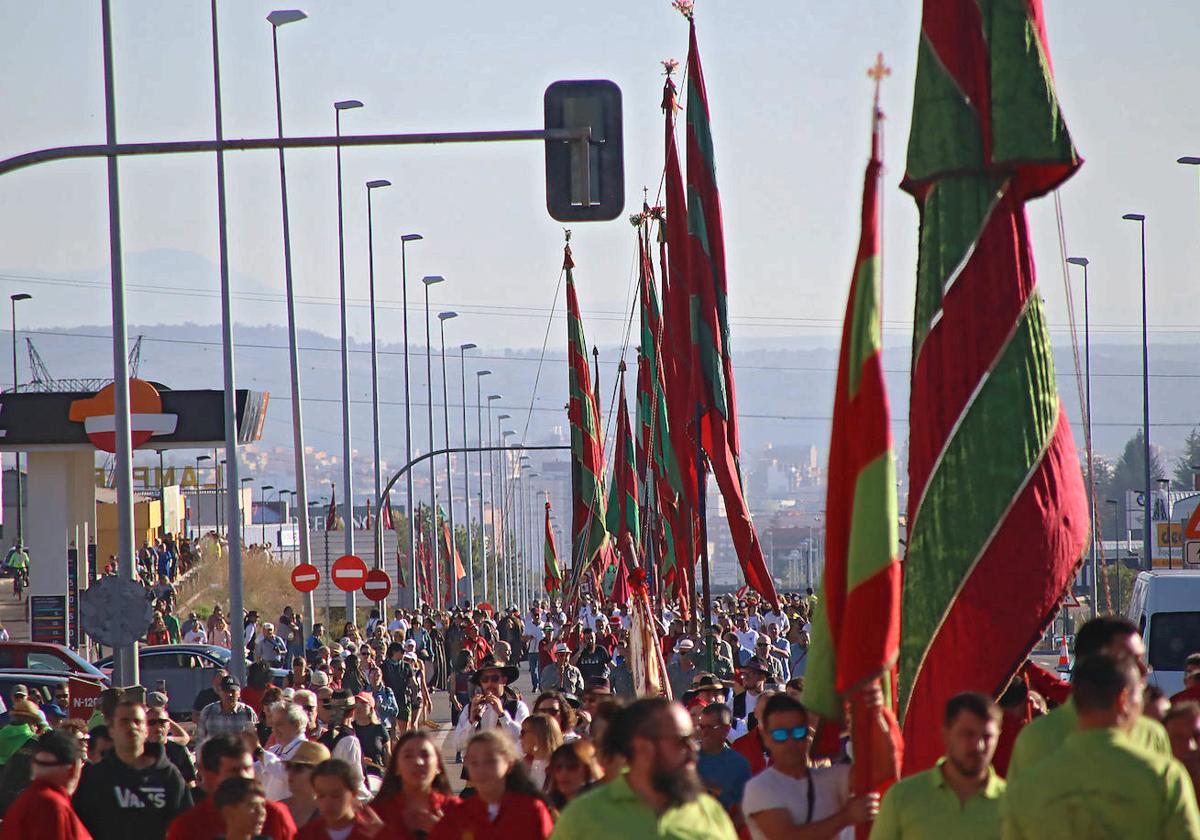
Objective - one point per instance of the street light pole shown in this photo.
(492, 497)
(479, 374)
(278, 19)
(408, 454)
(462, 350)
(1147, 557)
(430, 280)
(262, 503)
(1087, 377)
(502, 483)
(16, 385)
(347, 438)
(451, 580)
(378, 538)
(242, 486)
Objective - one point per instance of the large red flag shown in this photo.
(997, 510)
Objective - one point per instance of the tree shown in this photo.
(1129, 473)
(1184, 478)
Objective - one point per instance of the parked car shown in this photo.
(1165, 605)
(186, 669)
(44, 656)
(85, 689)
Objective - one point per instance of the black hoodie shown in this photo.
(118, 802)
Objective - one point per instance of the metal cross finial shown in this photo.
(878, 72)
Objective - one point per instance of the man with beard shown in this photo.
(659, 794)
(960, 795)
(790, 796)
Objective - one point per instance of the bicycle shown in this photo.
(20, 581)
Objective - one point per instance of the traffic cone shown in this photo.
(1064, 657)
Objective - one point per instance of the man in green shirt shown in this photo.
(1112, 635)
(959, 798)
(660, 794)
(1099, 783)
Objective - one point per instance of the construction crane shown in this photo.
(43, 382)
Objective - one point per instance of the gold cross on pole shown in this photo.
(878, 72)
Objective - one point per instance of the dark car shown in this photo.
(85, 690)
(186, 670)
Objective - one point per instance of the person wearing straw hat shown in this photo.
(561, 674)
(494, 706)
(682, 670)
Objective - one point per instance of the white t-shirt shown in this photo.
(747, 638)
(771, 789)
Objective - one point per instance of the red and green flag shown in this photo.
(624, 515)
(552, 575)
(449, 548)
(997, 511)
(333, 522)
(589, 536)
(710, 325)
(856, 633)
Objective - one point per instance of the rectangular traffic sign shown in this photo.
(1191, 553)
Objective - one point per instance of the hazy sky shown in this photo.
(790, 108)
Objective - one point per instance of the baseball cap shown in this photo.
(229, 681)
(562, 647)
(19, 690)
(54, 710)
(365, 698)
(62, 749)
(410, 655)
(684, 646)
(158, 700)
(410, 644)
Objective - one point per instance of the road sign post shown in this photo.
(348, 573)
(306, 577)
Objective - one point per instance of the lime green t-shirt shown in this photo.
(613, 810)
(924, 806)
(1100, 784)
(1046, 734)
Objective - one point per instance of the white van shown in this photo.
(1165, 605)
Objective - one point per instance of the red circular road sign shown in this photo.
(348, 573)
(306, 577)
(377, 585)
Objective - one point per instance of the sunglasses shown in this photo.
(157, 722)
(783, 734)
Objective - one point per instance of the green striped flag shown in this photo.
(552, 576)
(997, 511)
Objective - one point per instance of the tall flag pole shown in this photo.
(333, 522)
(553, 575)
(717, 405)
(624, 516)
(856, 633)
(679, 368)
(589, 537)
(997, 510)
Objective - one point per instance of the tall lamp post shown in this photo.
(242, 486)
(16, 384)
(498, 503)
(1117, 538)
(347, 437)
(506, 506)
(378, 533)
(524, 463)
(451, 581)
(479, 374)
(199, 485)
(1087, 422)
(492, 499)
(262, 510)
(408, 451)
(1147, 556)
(431, 280)
(462, 350)
(277, 19)
(530, 539)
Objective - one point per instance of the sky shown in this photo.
(790, 102)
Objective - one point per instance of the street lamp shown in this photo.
(347, 447)
(479, 374)
(408, 453)
(16, 385)
(431, 280)
(277, 19)
(1087, 422)
(462, 350)
(1147, 558)
(452, 582)
(492, 497)
(499, 504)
(1117, 540)
(262, 509)
(506, 511)
(378, 532)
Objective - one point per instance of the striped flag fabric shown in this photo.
(552, 572)
(624, 516)
(710, 325)
(997, 511)
(333, 522)
(589, 535)
(856, 634)
(385, 513)
(449, 548)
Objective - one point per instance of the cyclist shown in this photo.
(17, 560)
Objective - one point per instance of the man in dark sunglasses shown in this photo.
(724, 771)
(495, 706)
(790, 794)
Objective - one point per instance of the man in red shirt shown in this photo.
(1191, 680)
(223, 757)
(43, 810)
(751, 745)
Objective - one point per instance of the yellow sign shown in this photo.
(150, 478)
(1175, 538)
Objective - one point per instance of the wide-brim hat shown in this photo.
(756, 664)
(510, 671)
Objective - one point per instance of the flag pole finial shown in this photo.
(878, 72)
(687, 8)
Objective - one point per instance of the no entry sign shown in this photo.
(305, 577)
(348, 573)
(378, 585)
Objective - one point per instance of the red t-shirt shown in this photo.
(545, 656)
(1192, 692)
(391, 811)
(520, 816)
(315, 829)
(43, 810)
(752, 748)
(203, 822)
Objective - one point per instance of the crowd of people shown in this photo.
(346, 745)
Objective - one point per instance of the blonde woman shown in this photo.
(220, 635)
(540, 737)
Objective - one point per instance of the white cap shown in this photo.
(684, 646)
(562, 647)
